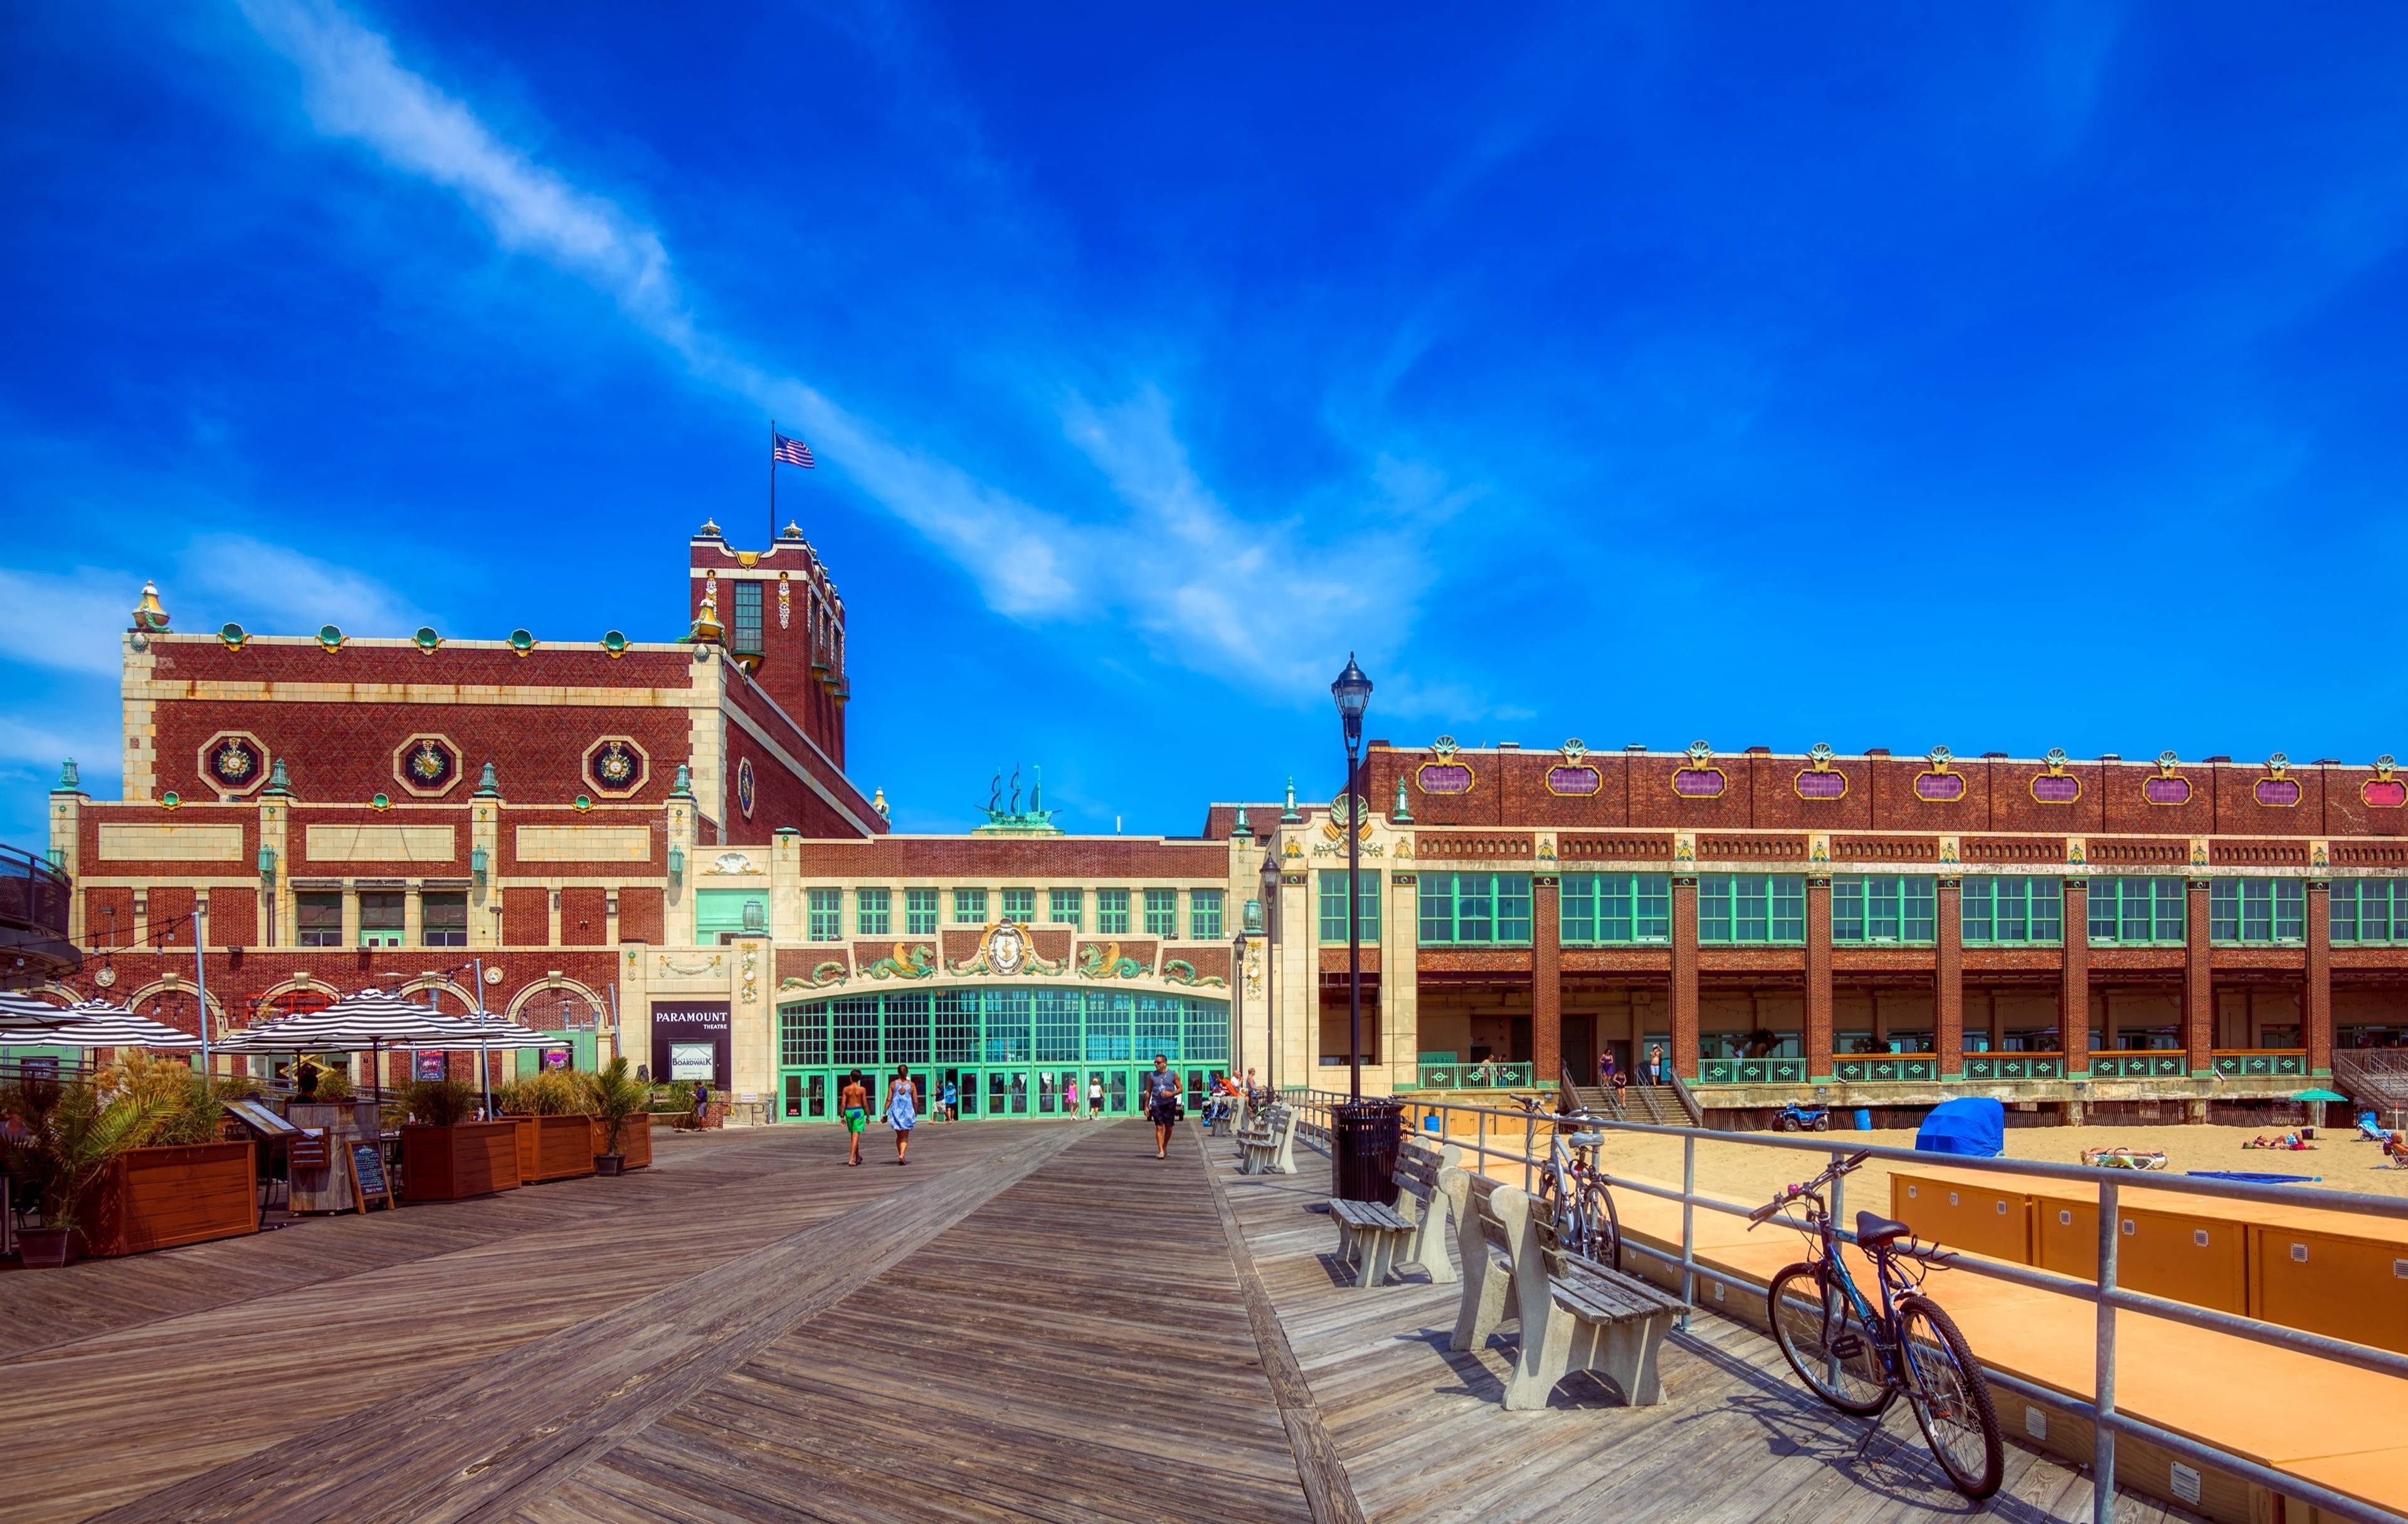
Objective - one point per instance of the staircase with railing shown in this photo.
(2375, 1079)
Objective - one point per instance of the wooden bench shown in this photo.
(1426, 1207)
(1369, 1236)
(1272, 1150)
(1576, 1314)
(1226, 1125)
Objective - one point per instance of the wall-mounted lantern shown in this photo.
(477, 864)
(676, 864)
(267, 865)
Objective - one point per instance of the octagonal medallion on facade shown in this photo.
(234, 762)
(426, 767)
(617, 766)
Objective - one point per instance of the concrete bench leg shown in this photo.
(1488, 1292)
(1549, 1352)
(1378, 1256)
(1428, 1247)
(1630, 1351)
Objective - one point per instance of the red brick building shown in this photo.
(641, 848)
(1875, 928)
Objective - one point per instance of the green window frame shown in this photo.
(1752, 910)
(1111, 913)
(2139, 911)
(2257, 911)
(1019, 906)
(1476, 910)
(919, 913)
(1604, 910)
(384, 914)
(744, 629)
(873, 912)
(2000, 909)
(1884, 909)
(1162, 914)
(2368, 913)
(1065, 907)
(1204, 914)
(824, 915)
(1333, 905)
(969, 907)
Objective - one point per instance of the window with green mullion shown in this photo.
(1065, 907)
(2369, 912)
(919, 913)
(1019, 906)
(1333, 904)
(2260, 911)
(824, 915)
(969, 907)
(1610, 909)
(1757, 909)
(2000, 909)
(2137, 912)
(1884, 908)
(1475, 909)
(1162, 913)
(873, 912)
(1111, 913)
(1204, 914)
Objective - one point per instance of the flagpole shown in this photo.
(773, 484)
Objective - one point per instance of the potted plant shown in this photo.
(616, 1099)
(68, 1136)
(179, 1182)
(447, 1155)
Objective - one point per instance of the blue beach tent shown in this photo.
(1970, 1125)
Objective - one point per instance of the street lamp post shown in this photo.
(1353, 691)
(1237, 995)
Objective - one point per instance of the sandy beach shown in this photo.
(2340, 1161)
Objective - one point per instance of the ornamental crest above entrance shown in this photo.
(1006, 949)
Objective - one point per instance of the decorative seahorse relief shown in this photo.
(905, 962)
(1104, 962)
(1177, 971)
(829, 972)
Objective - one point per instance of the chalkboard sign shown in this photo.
(367, 1175)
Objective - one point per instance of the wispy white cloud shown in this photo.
(1222, 592)
(67, 624)
(275, 588)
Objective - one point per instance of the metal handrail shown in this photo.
(34, 895)
(2105, 1294)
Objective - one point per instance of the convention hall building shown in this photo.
(658, 850)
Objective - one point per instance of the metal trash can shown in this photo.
(1363, 1137)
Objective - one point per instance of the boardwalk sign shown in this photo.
(690, 1040)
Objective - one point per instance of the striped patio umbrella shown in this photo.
(25, 1019)
(496, 1032)
(369, 1022)
(97, 1024)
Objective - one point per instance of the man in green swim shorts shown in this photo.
(852, 1104)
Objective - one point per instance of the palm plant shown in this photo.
(71, 1134)
(614, 1094)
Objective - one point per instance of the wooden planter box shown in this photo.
(635, 1140)
(158, 1198)
(554, 1147)
(446, 1164)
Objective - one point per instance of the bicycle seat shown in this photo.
(1586, 1139)
(1875, 1231)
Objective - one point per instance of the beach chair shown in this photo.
(2370, 1130)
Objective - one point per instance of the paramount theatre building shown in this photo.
(656, 850)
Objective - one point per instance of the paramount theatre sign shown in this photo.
(691, 1041)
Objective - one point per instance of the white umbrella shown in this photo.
(492, 1032)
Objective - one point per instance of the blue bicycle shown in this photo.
(1858, 1358)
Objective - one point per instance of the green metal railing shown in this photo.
(1881, 1067)
(2014, 1066)
(2140, 1065)
(1750, 1071)
(1479, 1076)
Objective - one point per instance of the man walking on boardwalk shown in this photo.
(852, 1104)
(1161, 1104)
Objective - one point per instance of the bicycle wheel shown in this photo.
(1950, 1397)
(1826, 1343)
(1604, 1225)
(1572, 1230)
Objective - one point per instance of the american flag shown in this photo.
(791, 452)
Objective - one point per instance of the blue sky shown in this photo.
(1998, 379)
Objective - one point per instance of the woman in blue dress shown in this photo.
(902, 1112)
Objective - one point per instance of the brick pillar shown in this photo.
(1684, 979)
(1948, 982)
(2199, 984)
(2074, 989)
(1546, 981)
(2316, 1002)
(1818, 978)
